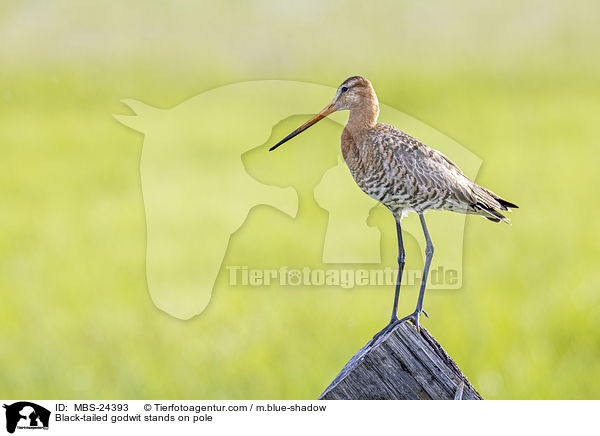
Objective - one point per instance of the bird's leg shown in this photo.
(401, 261)
(428, 255)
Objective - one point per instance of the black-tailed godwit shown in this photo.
(403, 174)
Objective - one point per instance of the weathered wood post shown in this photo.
(401, 365)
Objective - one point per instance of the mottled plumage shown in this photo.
(406, 175)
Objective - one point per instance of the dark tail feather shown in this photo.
(493, 219)
(506, 204)
(490, 213)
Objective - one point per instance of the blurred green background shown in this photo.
(516, 82)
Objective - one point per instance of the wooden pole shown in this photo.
(401, 365)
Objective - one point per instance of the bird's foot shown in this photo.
(388, 328)
(414, 318)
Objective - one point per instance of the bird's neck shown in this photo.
(363, 116)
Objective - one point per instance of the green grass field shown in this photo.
(517, 85)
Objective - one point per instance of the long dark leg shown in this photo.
(428, 255)
(401, 261)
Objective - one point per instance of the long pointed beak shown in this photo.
(314, 120)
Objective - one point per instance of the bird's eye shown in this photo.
(344, 89)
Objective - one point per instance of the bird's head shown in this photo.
(354, 92)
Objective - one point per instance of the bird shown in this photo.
(403, 174)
